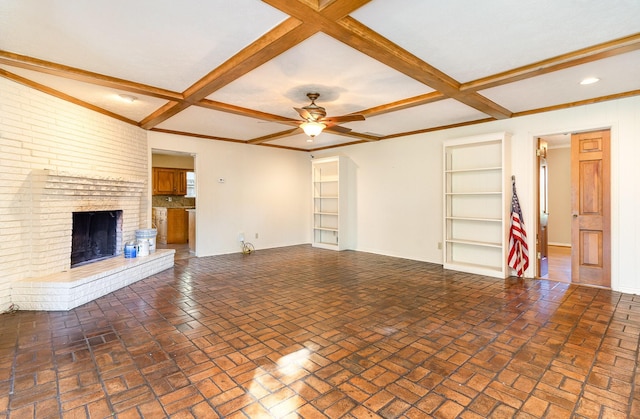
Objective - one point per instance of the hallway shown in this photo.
(559, 264)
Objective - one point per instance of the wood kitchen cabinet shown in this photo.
(159, 219)
(192, 229)
(172, 225)
(169, 181)
(177, 225)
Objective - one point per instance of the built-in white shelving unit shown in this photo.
(330, 229)
(476, 204)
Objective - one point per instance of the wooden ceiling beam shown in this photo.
(357, 135)
(581, 56)
(278, 40)
(275, 136)
(403, 104)
(328, 147)
(72, 73)
(288, 133)
(163, 113)
(191, 134)
(591, 101)
(324, 15)
(365, 40)
(284, 36)
(250, 113)
(60, 95)
(438, 128)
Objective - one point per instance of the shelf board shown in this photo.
(326, 245)
(497, 220)
(477, 169)
(326, 197)
(326, 229)
(325, 213)
(489, 270)
(327, 180)
(475, 243)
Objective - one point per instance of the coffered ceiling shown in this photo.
(234, 70)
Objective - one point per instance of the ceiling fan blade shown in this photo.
(338, 128)
(344, 118)
(304, 114)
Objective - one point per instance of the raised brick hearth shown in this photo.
(77, 286)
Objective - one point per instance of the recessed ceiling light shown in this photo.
(127, 98)
(590, 80)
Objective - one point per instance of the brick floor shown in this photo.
(303, 332)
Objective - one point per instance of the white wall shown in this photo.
(265, 191)
(559, 166)
(399, 184)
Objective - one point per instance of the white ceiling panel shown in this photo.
(162, 43)
(220, 124)
(100, 96)
(375, 60)
(347, 81)
(444, 112)
(468, 39)
(325, 139)
(617, 74)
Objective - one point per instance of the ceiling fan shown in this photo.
(315, 118)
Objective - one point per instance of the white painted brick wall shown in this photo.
(41, 139)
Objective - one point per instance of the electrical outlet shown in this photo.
(240, 237)
(439, 245)
(256, 235)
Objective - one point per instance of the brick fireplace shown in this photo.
(58, 195)
(59, 158)
(54, 282)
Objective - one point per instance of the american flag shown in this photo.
(518, 250)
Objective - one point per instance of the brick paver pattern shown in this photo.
(299, 332)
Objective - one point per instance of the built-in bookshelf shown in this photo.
(476, 199)
(330, 203)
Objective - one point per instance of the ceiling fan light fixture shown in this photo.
(312, 128)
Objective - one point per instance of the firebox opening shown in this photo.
(94, 236)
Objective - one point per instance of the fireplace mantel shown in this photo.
(86, 185)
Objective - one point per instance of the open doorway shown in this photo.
(174, 201)
(577, 211)
(554, 209)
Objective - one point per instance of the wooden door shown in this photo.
(542, 237)
(590, 206)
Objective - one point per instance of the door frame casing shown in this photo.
(613, 185)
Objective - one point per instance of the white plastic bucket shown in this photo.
(148, 235)
(143, 247)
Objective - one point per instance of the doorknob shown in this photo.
(575, 215)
